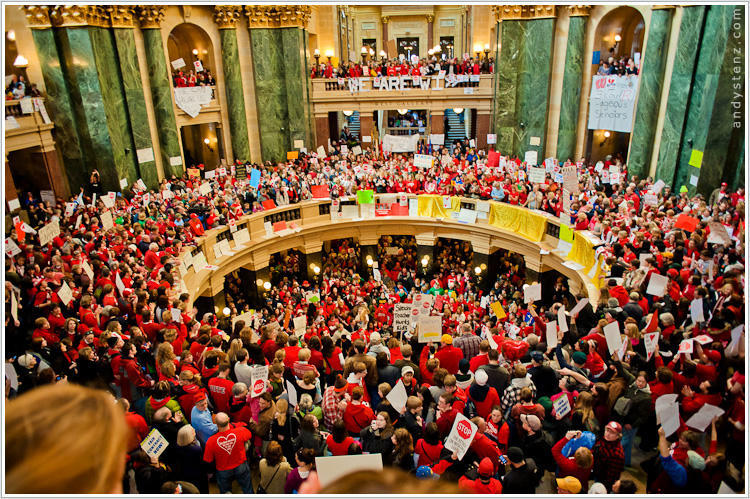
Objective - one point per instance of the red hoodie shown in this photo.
(357, 417)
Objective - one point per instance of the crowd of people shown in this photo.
(18, 88)
(192, 78)
(100, 314)
(404, 67)
(624, 66)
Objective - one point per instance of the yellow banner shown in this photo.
(522, 221)
(434, 206)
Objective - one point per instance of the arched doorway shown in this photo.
(192, 44)
(619, 37)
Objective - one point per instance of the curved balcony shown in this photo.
(540, 238)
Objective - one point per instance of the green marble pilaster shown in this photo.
(532, 97)
(726, 129)
(507, 83)
(270, 93)
(705, 84)
(296, 77)
(136, 103)
(679, 90)
(60, 109)
(161, 93)
(93, 78)
(649, 94)
(571, 88)
(235, 97)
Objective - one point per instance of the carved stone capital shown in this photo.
(385, 19)
(278, 16)
(79, 15)
(37, 16)
(151, 16)
(226, 16)
(579, 10)
(430, 18)
(503, 12)
(122, 16)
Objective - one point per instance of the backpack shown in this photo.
(470, 409)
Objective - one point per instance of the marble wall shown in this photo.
(297, 80)
(235, 94)
(571, 88)
(506, 84)
(60, 108)
(136, 103)
(161, 94)
(649, 94)
(703, 94)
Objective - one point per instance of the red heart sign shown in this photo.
(464, 429)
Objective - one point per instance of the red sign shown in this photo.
(258, 387)
(464, 429)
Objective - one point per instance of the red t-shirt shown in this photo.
(227, 448)
(221, 393)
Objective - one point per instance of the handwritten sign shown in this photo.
(258, 378)
(461, 435)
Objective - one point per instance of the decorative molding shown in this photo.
(79, 15)
(278, 16)
(226, 16)
(579, 10)
(385, 19)
(37, 16)
(662, 7)
(430, 18)
(503, 12)
(187, 11)
(151, 16)
(122, 16)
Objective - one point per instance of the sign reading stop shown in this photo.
(463, 428)
(461, 435)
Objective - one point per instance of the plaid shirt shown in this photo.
(609, 461)
(468, 344)
(512, 395)
(331, 412)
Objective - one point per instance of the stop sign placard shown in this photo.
(463, 428)
(461, 435)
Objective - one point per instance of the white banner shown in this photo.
(191, 99)
(612, 102)
(400, 143)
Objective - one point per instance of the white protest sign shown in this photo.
(611, 102)
(668, 413)
(561, 406)
(120, 285)
(686, 346)
(650, 340)
(13, 305)
(178, 63)
(300, 324)
(107, 222)
(14, 204)
(291, 391)
(562, 321)
(461, 435)
(531, 158)
(551, 334)
(48, 233)
(331, 468)
(579, 306)
(532, 293)
(537, 175)
(11, 248)
(696, 311)
(401, 319)
(704, 339)
(258, 378)
(154, 444)
(65, 293)
(491, 138)
(701, 419)
(423, 161)
(430, 328)
(612, 334)
(657, 285)
(397, 397)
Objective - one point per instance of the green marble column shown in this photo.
(161, 93)
(726, 128)
(270, 93)
(90, 70)
(532, 97)
(649, 93)
(60, 109)
(136, 103)
(679, 90)
(702, 97)
(235, 97)
(571, 88)
(297, 78)
(507, 83)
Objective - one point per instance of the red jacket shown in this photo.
(567, 465)
(449, 357)
(494, 486)
(357, 417)
(484, 407)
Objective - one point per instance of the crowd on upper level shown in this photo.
(103, 305)
(18, 88)
(192, 78)
(403, 67)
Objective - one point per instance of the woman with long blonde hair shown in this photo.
(65, 439)
(584, 418)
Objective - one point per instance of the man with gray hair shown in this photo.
(467, 341)
(226, 449)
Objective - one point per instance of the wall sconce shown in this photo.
(383, 55)
(11, 35)
(226, 311)
(207, 141)
(316, 269)
(618, 39)
(487, 51)
(478, 50)
(347, 113)
(477, 270)
(458, 110)
(607, 135)
(205, 51)
(259, 282)
(369, 261)
(402, 111)
(267, 285)
(21, 61)
(363, 51)
(195, 52)
(425, 260)
(329, 54)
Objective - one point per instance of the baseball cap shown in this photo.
(481, 377)
(614, 426)
(447, 339)
(537, 356)
(515, 454)
(714, 356)
(199, 396)
(531, 420)
(570, 484)
(424, 471)
(486, 468)
(579, 357)
(407, 369)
